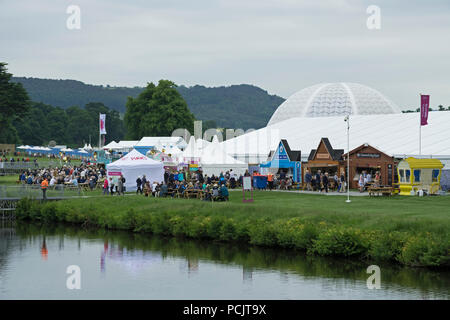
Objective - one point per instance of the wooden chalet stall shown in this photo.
(325, 159)
(369, 159)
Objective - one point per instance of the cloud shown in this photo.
(280, 45)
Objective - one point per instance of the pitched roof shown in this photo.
(293, 155)
(336, 154)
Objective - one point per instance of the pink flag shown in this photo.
(424, 106)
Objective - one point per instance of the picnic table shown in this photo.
(193, 193)
(380, 190)
(84, 186)
(173, 192)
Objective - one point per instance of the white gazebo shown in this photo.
(215, 160)
(135, 165)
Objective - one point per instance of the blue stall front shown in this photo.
(286, 160)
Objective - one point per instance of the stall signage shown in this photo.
(368, 155)
(281, 153)
(322, 156)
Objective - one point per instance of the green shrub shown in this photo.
(263, 233)
(424, 250)
(339, 241)
(386, 246)
(228, 230)
(48, 211)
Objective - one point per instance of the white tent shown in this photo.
(394, 134)
(134, 165)
(191, 152)
(215, 160)
(21, 147)
(112, 145)
(127, 145)
(202, 144)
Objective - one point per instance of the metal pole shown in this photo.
(348, 159)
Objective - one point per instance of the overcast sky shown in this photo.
(281, 46)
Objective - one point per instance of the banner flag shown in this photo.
(424, 106)
(102, 124)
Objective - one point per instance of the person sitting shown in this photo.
(215, 192)
(208, 195)
(223, 193)
(75, 181)
(163, 191)
(147, 188)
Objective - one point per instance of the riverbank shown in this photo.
(405, 230)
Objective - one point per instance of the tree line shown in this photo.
(157, 111)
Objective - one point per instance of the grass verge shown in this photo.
(404, 230)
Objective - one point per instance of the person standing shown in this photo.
(317, 175)
(105, 187)
(44, 186)
(120, 185)
(343, 183)
(166, 177)
(270, 180)
(308, 180)
(325, 182)
(139, 184)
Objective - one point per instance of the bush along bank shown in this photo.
(420, 249)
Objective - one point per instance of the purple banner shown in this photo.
(424, 106)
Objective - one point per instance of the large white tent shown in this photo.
(134, 165)
(394, 134)
(215, 160)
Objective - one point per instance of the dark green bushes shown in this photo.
(314, 237)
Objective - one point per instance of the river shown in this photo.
(122, 265)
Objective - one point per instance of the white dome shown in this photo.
(334, 99)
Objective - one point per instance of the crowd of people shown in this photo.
(323, 182)
(177, 183)
(61, 177)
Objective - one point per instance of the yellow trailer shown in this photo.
(419, 174)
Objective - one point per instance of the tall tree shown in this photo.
(14, 102)
(157, 111)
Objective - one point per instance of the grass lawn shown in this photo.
(431, 214)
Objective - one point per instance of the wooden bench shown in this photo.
(377, 191)
(192, 193)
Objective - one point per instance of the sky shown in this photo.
(281, 46)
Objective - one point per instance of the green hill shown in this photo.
(237, 106)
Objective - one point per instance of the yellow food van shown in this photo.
(419, 174)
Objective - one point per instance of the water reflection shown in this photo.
(150, 261)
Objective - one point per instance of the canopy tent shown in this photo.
(191, 153)
(167, 160)
(127, 145)
(135, 165)
(148, 143)
(112, 145)
(202, 144)
(215, 160)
